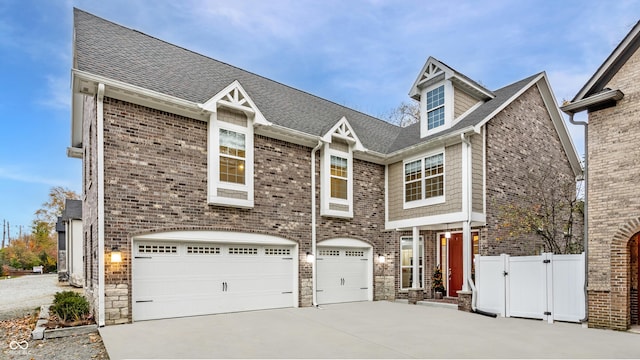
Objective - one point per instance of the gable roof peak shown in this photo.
(435, 71)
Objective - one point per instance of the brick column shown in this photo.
(415, 295)
(464, 300)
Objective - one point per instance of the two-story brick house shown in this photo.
(612, 98)
(218, 190)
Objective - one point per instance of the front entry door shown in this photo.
(455, 264)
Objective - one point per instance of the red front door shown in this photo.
(455, 264)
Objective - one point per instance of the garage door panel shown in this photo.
(343, 274)
(173, 280)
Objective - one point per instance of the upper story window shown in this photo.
(232, 156)
(435, 107)
(424, 181)
(339, 177)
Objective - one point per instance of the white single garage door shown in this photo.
(175, 279)
(343, 274)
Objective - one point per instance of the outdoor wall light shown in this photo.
(310, 257)
(116, 255)
(447, 235)
(381, 259)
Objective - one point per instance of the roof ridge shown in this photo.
(238, 68)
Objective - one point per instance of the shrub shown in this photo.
(69, 305)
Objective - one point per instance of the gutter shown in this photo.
(313, 223)
(585, 104)
(585, 211)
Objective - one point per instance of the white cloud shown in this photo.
(19, 175)
(58, 93)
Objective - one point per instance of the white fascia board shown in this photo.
(426, 221)
(142, 96)
(558, 121)
(443, 140)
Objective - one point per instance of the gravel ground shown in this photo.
(20, 300)
(20, 296)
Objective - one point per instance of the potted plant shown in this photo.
(437, 284)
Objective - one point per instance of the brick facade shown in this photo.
(156, 180)
(522, 143)
(614, 215)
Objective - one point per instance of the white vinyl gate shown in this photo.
(548, 287)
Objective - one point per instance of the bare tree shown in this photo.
(405, 114)
(53, 208)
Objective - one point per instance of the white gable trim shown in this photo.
(343, 130)
(235, 97)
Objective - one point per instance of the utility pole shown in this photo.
(4, 231)
(8, 233)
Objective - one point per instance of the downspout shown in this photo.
(467, 207)
(585, 210)
(100, 182)
(313, 223)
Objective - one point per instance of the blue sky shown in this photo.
(362, 54)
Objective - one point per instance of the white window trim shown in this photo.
(213, 168)
(448, 108)
(424, 261)
(325, 187)
(430, 201)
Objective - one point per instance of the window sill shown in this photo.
(421, 203)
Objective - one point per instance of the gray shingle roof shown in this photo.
(72, 209)
(116, 52)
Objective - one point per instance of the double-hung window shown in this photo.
(424, 180)
(339, 177)
(435, 107)
(232, 156)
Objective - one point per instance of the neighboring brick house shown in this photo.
(612, 99)
(220, 190)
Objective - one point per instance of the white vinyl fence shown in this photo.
(548, 287)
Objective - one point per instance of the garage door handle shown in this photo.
(287, 292)
(143, 257)
(287, 258)
(364, 288)
(143, 301)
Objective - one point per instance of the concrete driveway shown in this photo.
(362, 330)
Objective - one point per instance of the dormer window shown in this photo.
(339, 177)
(435, 107)
(336, 171)
(230, 147)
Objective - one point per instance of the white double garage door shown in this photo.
(192, 273)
